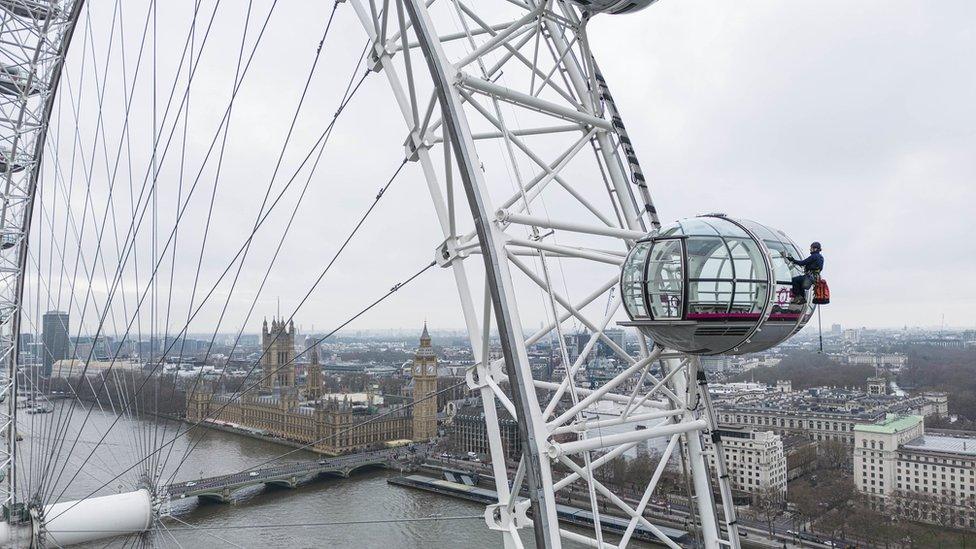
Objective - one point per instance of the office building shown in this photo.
(55, 339)
(468, 432)
(928, 477)
(754, 459)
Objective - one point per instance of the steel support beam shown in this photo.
(685, 386)
(41, 55)
(508, 216)
(531, 426)
(530, 102)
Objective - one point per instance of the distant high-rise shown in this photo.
(55, 339)
(25, 348)
(614, 334)
(836, 329)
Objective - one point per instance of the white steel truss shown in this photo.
(519, 77)
(35, 37)
(504, 103)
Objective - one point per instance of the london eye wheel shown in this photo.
(130, 216)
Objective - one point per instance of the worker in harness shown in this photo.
(812, 266)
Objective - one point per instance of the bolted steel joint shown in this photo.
(375, 57)
(447, 252)
(499, 517)
(554, 450)
(414, 143)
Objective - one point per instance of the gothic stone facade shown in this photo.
(330, 426)
(278, 361)
(424, 373)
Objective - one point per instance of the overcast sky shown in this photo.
(851, 123)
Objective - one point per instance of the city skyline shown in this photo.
(409, 330)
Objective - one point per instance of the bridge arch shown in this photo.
(221, 496)
(361, 466)
(289, 482)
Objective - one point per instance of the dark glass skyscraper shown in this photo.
(56, 340)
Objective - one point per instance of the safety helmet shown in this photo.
(815, 246)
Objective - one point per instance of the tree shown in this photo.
(837, 495)
(806, 502)
(838, 491)
(768, 505)
(941, 422)
(949, 370)
(870, 523)
(835, 523)
(807, 369)
(833, 455)
(803, 459)
(825, 505)
(640, 470)
(616, 471)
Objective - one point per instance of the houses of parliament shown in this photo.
(303, 413)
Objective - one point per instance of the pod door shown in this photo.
(665, 276)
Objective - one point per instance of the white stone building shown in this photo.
(887, 361)
(755, 459)
(919, 476)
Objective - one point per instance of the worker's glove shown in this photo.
(790, 259)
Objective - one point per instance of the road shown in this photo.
(289, 474)
(677, 513)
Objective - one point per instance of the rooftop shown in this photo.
(850, 404)
(890, 425)
(792, 442)
(745, 432)
(935, 443)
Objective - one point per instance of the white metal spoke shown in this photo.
(511, 93)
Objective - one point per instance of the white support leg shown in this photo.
(685, 385)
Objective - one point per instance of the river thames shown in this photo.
(361, 511)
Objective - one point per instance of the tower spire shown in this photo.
(424, 374)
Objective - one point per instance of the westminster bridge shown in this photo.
(291, 475)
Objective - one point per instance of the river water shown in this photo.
(273, 517)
